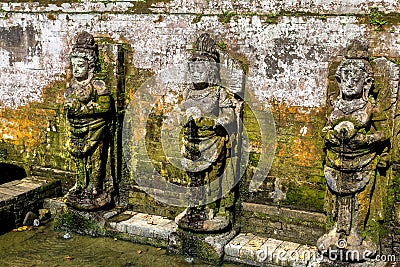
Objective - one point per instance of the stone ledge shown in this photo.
(257, 251)
(21, 196)
(287, 224)
(204, 7)
(285, 212)
(145, 225)
(268, 252)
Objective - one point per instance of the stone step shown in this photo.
(145, 225)
(244, 248)
(258, 251)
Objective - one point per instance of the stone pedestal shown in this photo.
(209, 248)
(93, 223)
(90, 202)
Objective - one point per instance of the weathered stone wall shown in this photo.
(286, 48)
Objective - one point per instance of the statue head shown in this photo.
(354, 77)
(83, 56)
(204, 63)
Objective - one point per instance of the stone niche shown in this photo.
(361, 146)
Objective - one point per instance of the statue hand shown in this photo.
(190, 114)
(368, 139)
(345, 129)
(360, 139)
(70, 106)
(326, 129)
(332, 137)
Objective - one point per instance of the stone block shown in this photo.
(55, 205)
(29, 218)
(209, 248)
(284, 255)
(266, 253)
(249, 251)
(233, 248)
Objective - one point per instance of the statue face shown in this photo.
(352, 80)
(80, 67)
(202, 71)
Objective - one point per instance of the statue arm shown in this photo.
(102, 105)
(79, 109)
(330, 135)
(379, 133)
(226, 109)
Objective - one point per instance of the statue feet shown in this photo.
(346, 248)
(202, 219)
(88, 199)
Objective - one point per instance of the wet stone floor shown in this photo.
(44, 247)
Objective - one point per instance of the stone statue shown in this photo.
(355, 147)
(209, 111)
(89, 112)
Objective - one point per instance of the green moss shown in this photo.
(272, 18)
(226, 16)
(222, 45)
(198, 17)
(305, 197)
(245, 68)
(372, 231)
(194, 244)
(254, 158)
(377, 19)
(261, 215)
(75, 221)
(395, 60)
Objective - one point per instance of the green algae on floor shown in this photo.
(43, 247)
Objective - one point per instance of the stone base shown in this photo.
(209, 248)
(143, 228)
(350, 249)
(89, 201)
(82, 222)
(202, 222)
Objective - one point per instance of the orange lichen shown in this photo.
(305, 152)
(26, 125)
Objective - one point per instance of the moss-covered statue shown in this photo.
(209, 112)
(89, 110)
(356, 145)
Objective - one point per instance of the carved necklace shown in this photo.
(82, 90)
(200, 94)
(351, 106)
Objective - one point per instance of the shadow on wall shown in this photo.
(10, 172)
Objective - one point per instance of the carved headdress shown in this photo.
(85, 47)
(205, 49)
